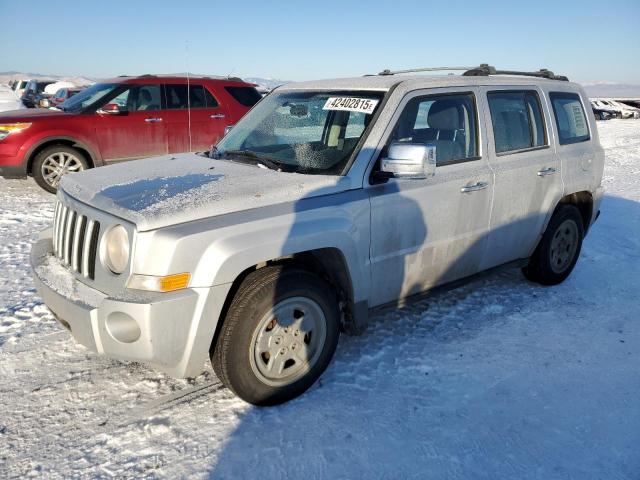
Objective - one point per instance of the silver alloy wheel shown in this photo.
(58, 164)
(288, 341)
(563, 246)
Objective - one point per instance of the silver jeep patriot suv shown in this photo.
(327, 199)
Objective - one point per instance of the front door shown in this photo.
(527, 171)
(139, 130)
(428, 232)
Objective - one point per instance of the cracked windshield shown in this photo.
(309, 132)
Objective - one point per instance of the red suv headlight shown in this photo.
(8, 128)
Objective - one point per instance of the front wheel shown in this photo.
(52, 163)
(279, 335)
(559, 249)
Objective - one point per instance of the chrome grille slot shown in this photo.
(75, 240)
(56, 217)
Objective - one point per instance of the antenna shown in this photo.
(186, 60)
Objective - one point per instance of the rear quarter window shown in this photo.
(247, 96)
(570, 118)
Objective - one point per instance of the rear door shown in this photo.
(577, 145)
(195, 118)
(139, 130)
(528, 182)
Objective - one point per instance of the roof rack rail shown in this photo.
(484, 70)
(429, 69)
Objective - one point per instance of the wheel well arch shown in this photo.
(69, 142)
(584, 202)
(328, 263)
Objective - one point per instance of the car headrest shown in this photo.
(445, 115)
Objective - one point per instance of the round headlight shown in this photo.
(116, 249)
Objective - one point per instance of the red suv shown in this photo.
(121, 119)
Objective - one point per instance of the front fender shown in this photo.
(27, 149)
(234, 254)
(218, 250)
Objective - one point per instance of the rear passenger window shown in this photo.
(570, 118)
(517, 120)
(199, 97)
(447, 122)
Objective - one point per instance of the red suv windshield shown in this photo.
(88, 97)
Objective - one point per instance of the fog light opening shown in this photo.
(122, 327)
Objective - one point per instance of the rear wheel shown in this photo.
(280, 334)
(52, 163)
(559, 249)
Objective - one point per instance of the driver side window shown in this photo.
(447, 122)
(139, 98)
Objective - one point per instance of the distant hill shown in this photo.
(6, 77)
(612, 90)
(269, 83)
(594, 90)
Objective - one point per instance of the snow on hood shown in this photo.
(162, 191)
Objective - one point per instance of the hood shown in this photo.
(163, 191)
(30, 114)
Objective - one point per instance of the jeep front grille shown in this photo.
(75, 240)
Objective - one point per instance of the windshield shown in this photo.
(41, 85)
(87, 97)
(303, 132)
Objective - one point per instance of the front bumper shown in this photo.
(166, 330)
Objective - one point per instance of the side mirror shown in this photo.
(410, 160)
(110, 109)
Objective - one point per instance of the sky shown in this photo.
(589, 41)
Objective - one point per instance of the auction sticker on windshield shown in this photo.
(351, 104)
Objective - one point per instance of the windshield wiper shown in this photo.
(267, 162)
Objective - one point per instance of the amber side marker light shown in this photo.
(152, 283)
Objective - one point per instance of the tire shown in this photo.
(61, 157)
(255, 354)
(559, 249)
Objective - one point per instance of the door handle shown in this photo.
(152, 120)
(217, 115)
(475, 187)
(546, 171)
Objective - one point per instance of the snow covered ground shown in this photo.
(497, 379)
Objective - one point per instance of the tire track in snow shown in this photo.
(165, 402)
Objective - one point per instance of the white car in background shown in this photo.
(599, 105)
(50, 90)
(9, 100)
(625, 111)
(19, 86)
(628, 110)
